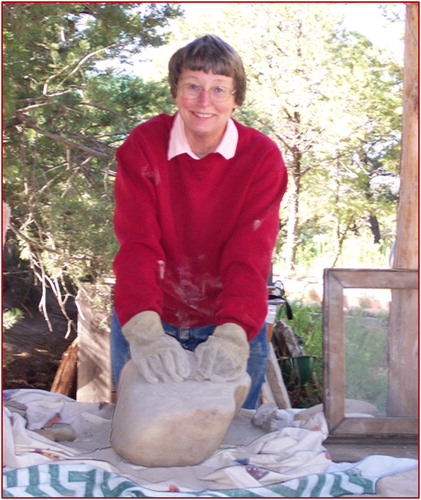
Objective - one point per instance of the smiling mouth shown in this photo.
(203, 115)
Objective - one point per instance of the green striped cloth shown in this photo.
(63, 480)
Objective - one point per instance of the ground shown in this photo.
(31, 352)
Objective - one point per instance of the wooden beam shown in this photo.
(66, 375)
(406, 247)
(403, 340)
(276, 381)
(377, 426)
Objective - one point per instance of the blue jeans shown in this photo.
(190, 338)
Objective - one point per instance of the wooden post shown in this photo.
(94, 378)
(276, 381)
(66, 375)
(403, 339)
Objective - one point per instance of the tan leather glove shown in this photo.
(158, 356)
(224, 355)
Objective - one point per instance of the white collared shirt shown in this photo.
(179, 144)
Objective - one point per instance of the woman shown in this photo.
(197, 213)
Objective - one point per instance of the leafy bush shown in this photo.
(11, 317)
(307, 325)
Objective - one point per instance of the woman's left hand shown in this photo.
(224, 355)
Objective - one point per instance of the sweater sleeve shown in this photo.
(246, 259)
(140, 259)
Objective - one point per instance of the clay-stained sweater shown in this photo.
(196, 236)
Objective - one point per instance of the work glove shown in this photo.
(157, 356)
(223, 356)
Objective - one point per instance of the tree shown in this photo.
(64, 118)
(327, 96)
(331, 101)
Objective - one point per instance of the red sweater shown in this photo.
(196, 236)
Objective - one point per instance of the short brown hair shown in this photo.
(209, 54)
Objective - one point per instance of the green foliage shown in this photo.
(329, 97)
(318, 250)
(332, 100)
(307, 324)
(11, 317)
(64, 119)
(131, 97)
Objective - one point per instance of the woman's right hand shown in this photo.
(157, 356)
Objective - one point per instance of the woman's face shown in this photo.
(204, 119)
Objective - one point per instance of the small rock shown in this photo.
(58, 432)
(267, 417)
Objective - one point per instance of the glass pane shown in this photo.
(366, 322)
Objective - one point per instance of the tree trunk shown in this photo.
(375, 228)
(293, 207)
(403, 341)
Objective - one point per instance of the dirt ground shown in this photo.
(31, 351)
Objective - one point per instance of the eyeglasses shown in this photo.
(194, 91)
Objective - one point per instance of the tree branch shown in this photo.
(29, 123)
(32, 242)
(44, 248)
(83, 60)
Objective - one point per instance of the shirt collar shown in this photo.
(178, 143)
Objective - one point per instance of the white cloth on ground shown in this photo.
(248, 457)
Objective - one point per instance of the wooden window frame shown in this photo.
(335, 281)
